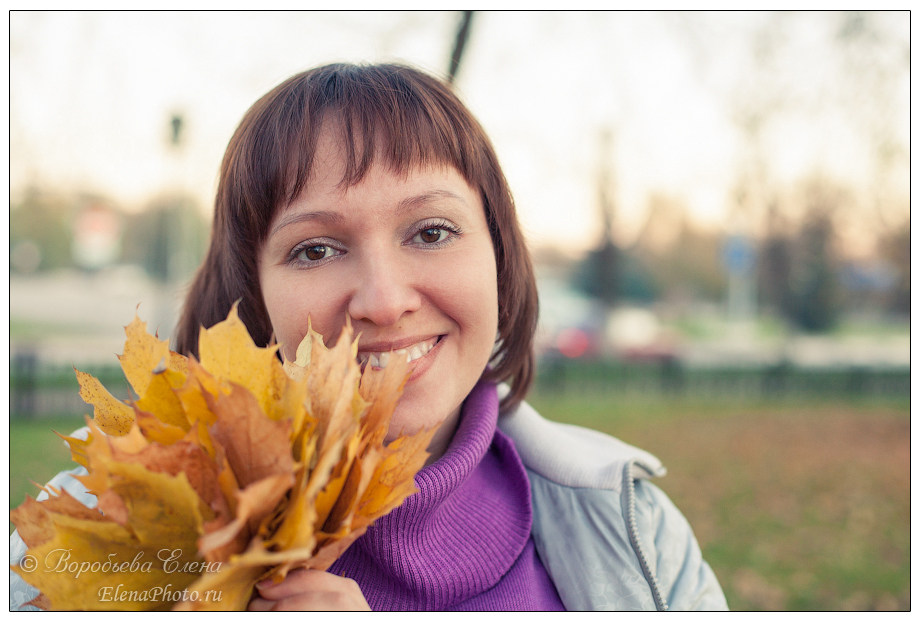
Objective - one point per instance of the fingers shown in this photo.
(260, 604)
(301, 580)
(309, 590)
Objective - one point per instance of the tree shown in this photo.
(813, 303)
(775, 263)
(683, 261)
(894, 246)
(799, 268)
(167, 239)
(41, 222)
(599, 273)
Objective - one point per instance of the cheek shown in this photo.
(293, 305)
(471, 292)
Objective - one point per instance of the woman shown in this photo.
(369, 194)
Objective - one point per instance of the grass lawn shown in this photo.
(37, 454)
(803, 507)
(797, 507)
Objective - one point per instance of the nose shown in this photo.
(384, 291)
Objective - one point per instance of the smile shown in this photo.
(382, 358)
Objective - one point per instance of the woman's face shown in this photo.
(409, 259)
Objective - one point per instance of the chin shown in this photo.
(414, 413)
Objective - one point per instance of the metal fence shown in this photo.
(38, 391)
(749, 382)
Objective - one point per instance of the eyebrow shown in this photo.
(329, 217)
(332, 217)
(413, 202)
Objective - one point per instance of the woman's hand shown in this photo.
(309, 590)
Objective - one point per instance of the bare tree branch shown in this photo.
(463, 34)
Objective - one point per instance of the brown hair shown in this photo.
(396, 112)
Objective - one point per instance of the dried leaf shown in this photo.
(156, 430)
(77, 448)
(228, 352)
(250, 439)
(254, 504)
(161, 399)
(230, 589)
(144, 353)
(112, 415)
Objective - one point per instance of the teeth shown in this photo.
(380, 360)
(414, 353)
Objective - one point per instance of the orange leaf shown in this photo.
(250, 439)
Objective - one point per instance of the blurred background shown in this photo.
(718, 207)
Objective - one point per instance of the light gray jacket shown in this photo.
(609, 539)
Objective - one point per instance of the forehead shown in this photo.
(342, 166)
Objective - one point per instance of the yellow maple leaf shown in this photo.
(229, 354)
(144, 353)
(161, 400)
(112, 415)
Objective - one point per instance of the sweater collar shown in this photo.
(461, 532)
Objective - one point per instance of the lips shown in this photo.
(382, 356)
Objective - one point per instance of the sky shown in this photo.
(91, 96)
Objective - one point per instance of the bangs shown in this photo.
(406, 118)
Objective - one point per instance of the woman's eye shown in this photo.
(431, 235)
(316, 252)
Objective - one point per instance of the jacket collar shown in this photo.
(571, 455)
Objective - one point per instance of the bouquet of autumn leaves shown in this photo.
(226, 471)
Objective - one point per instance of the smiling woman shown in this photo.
(369, 195)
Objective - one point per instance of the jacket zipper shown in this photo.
(629, 482)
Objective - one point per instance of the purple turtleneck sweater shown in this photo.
(462, 543)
